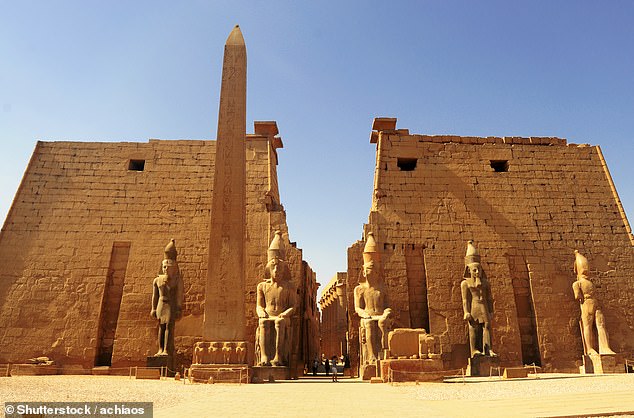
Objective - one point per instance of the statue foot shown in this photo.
(276, 363)
(160, 353)
(492, 354)
(476, 353)
(265, 363)
(606, 351)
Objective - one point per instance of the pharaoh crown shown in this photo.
(371, 250)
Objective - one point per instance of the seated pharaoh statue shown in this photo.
(477, 304)
(370, 303)
(276, 300)
(591, 313)
(167, 299)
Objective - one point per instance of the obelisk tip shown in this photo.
(235, 37)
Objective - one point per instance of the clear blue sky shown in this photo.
(132, 70)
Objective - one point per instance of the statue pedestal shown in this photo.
(412, 370)
(263, 374)
(481, 365)
(601, 364)
(367, 371)
(161, 361)
(217, 373)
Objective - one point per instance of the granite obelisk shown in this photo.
(224, 293)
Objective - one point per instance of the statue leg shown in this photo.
(604, 347)
(371, 340)
(264, 358)
(363, 342)
(473, 335)
(486, 340)
(384, 329)
(280, 342)
(587, 320)
(162, 340)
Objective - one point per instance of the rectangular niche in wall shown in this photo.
(111, 302)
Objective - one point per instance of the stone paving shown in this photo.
(548, 396)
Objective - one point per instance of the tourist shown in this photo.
(334, 368)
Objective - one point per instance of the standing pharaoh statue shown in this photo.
(167, 299)
(591, 312)
(370, 303)
(476, 304)
(276, 304)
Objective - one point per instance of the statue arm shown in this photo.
(466, 300)
(576, 288)
(260, 307)
(292, 299)
(357, 304)
(155, 298)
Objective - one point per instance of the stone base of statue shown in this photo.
(482, 366)
(161, 361)
(602, 364)
(219, 361)
(265, 374)
(367, 371)
(412, 370)
(219, 373)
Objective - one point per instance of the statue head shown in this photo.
(581, 265)
(169, 267)
(370, 270)
(473, 268)
(474, 271)
(276, 268)
(371, 258)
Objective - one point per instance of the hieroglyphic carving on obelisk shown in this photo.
(224, 293)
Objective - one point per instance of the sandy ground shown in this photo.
(548, 395)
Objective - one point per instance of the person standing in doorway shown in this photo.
(334, 368)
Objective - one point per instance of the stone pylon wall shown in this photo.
(433, 193)
(79, 200)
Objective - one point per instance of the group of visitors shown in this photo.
(330, 366)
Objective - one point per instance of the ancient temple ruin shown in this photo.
(85, 235)
(528, 203)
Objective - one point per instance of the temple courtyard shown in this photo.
(548, 395)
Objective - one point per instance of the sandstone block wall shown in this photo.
(79, 204)
(528, 203)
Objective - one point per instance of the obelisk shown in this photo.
(224, 292)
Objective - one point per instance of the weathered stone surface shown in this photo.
(476, 304)
(591, 312)
(412, 370)
(433, 193)
(275, 306)
(514, 372)
(83, 233)
(404, 342)
(483, 366)
(602, 363)
(371, 305)
(225, 287)
(167, 300)
(269, 374)
(218, 373)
